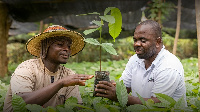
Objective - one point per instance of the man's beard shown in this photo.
(148, 53)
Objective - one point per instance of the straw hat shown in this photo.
(33, 45)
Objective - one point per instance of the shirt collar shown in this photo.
(159, 56)
(47, 70)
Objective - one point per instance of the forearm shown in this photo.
(42, 95)
(135, 100)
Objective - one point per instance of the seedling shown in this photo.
(114, 20)
(114, 23)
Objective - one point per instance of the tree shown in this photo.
(159, 10)
(5, 23)
(177, 27)
(197, 8)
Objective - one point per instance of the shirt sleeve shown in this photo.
(166, 82)
(127, 74)
(72, 90)
(22, 80)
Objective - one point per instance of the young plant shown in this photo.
(114, 20)
(168, 104)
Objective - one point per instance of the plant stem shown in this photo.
(100, 43)
(100, 58)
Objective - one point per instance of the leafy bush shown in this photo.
(116, 68)
(17, 53)
(186, 48)
(98, 104)
(164, 7)
(3, 91)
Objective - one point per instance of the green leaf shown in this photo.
(34, 107)
(114, 108)
(136, 108)
(18, 104)
(109, 48)
(195, 91)
(51, 109)
(96, 100)
(100, 108)
(121, 92)
(180, 104)
(86, 32)
(88, 14)
(108, 10)
(150, 103)
(161, 105)
(69, 103)
(81, 106)
(115, 28)
(197, 104)
(94, 13)
(98, 23)
(84, 110)
(158, 110)
(108, 18)
(165, 99)
(81, 14)
(87, 100)
(196, 84)
(141, 99)
(92, 41)
(71, 100)
(61, 109)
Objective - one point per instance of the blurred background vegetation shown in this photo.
(158, 10)
(186, 48)
(87, 61)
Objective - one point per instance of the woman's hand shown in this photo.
(77, 79)
(106, 89)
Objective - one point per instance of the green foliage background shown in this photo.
(116, 68)
(186, 48)
(87, 62)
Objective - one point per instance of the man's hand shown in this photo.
(106, 89)
(77, 79)
(43, 95)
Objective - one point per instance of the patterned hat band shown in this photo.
(54, 28)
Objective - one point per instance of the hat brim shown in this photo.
(33, 45)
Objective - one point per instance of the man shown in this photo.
(44, 81)
(151, 70)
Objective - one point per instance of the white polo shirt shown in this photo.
(165, 75)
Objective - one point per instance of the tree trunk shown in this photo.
(197, 9)
(177, 27)
(159, 14)
(5, 23)
(41, 26)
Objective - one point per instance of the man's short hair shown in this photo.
(155, 27)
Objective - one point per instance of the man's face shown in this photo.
(144, 42)
(59, 52)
